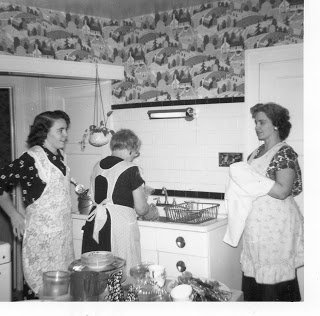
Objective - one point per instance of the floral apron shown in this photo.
(47, 242)
(125, 234)
(273, 236)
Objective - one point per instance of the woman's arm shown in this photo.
(283, 185)
(140, 201)
(17, 219)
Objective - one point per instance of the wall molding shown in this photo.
(18, 65)
(177, 102)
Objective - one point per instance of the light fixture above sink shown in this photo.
(186, 113)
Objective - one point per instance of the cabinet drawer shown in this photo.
(183, 242)
(77, 225)
(198, 266)
(148, 238)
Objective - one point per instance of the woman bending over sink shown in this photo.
(117, 189)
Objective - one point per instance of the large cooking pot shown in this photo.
(90, 284)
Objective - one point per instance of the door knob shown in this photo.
(181, 266)
(180, 242)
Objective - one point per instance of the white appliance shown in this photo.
(5, 272)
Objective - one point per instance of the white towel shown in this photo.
(244, 186)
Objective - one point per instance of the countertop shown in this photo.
(202, 227)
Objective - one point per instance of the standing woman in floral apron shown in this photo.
(273, 235)
(46, 226)
(119, 194)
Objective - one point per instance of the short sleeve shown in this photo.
(286, 158)
(11, 174)
(135, 178)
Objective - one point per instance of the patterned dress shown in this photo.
(273, 236)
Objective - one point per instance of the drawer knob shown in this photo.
(181, 266)
(180, 242)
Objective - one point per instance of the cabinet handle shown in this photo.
(180, 242)
(181, 266)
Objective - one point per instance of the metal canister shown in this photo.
(84, 203)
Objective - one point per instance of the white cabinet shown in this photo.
(78, 221)
(195, 248)
(178, 247)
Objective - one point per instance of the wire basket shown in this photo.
(192, 212)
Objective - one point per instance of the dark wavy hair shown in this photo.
(278, 115)
(41, 125)
(125, 139)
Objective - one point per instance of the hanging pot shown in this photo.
(98, 139)
(99, 135)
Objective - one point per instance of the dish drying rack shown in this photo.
(192, 212)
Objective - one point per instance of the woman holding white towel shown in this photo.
(273, 234)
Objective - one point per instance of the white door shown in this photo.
(276, 74)
(77, 99)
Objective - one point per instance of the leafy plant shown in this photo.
(102, 127)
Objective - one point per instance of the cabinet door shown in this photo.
(77, 232)
(198, 266)
(148, 238)
(149, 256)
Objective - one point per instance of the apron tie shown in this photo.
(101, 216)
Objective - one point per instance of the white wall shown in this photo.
(182, 155)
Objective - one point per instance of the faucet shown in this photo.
(164, 191)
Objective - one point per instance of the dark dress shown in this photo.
(127, 182)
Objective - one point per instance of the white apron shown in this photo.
(47, 242)
(125, 234)
(273, 236)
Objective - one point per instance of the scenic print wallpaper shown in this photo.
(187, 53)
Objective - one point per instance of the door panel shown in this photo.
(78, 101)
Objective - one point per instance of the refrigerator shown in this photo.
(5, 272)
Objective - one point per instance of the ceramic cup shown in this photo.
(182, 293)
(157, 274)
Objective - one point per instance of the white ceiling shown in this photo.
(114, 9)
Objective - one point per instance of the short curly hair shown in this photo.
(278, 115)
(42, 124)
(125, 139)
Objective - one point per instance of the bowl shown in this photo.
(181, 293)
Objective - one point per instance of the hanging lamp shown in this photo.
(99, 134)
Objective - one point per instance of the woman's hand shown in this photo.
(152, 213)
(18, 224)
(17, 219)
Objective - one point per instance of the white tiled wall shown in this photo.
(182, 155)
